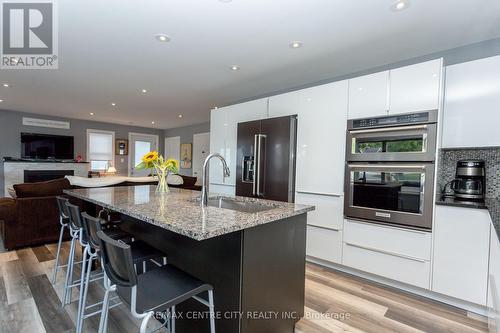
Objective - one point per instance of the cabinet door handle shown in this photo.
(255, 163)
(386, 252)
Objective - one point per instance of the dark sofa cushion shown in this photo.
(188, 181)
(42, 189)
(7, 209)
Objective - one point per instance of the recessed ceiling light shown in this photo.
(144, 91)
(235, 67)
(180, 116)
(6, 85)
(91, 113)
(162, 38)
(113, 104)
(1, 100)
(296, 44)
(400, 5)
(152, 122)
(215, 107)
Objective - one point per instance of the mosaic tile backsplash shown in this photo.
(448, 162)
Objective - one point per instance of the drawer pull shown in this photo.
(323, 227)
(386, 252)
(336, 195)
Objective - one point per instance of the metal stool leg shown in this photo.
(103, 323)
(212, 310)
(144, 323)
(173, 320)
(83, 283)
(69, 273)
(56, 266)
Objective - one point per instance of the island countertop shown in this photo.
(179, 211)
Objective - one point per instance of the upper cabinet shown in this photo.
(369, 95)
(402, 90)
(223, 135)
(472, 99)
(322, 121)
(218, 128)
(415, 88)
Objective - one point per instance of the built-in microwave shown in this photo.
(395, 193)
(395, 138)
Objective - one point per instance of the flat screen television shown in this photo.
(47, 147)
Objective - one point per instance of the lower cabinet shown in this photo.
(461, 253)
(324, 244)
(494, 281)
(399, 254)
(324, 226)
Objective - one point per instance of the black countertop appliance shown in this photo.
(470, 180)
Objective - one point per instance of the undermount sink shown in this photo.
(240, 206)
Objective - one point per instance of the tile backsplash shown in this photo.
(448, 162)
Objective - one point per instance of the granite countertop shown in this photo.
(179, 211)
(491, 204)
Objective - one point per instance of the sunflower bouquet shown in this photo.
(163, 167)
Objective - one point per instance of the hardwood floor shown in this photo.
(335, 302)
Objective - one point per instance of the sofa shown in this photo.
(32, 216)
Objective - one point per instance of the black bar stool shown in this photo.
(63, 221)
(141, 253)
(156, 290)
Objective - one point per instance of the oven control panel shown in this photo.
(396, 120)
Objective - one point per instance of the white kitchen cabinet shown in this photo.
(395, 253)
(395, 267)
(494, 280)
(322, 121)
(461, 250)
(415, 88)
(329, 212)
(217, 141)
(223, 136)
(369, 95)
(324, 244)
(472, 97)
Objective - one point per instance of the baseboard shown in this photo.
(476, 308)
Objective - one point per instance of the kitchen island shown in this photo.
(252, 251)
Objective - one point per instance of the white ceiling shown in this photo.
(108, 53)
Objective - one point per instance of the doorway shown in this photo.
(140, 144)
(201, 149)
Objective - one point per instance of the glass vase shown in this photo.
(162, 186)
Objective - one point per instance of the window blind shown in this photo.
(100, 146)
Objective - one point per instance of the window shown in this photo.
(100, 149)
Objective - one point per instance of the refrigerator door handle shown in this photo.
(259, 156)
(255, 164)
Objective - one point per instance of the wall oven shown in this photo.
(389, 175)
(398, 138)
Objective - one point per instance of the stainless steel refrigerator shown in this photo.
(265, 161)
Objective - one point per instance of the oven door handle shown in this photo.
(387, 166)
(389, 129)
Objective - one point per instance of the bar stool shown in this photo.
(74, 223)
(141, 253)
(63, 221)
(160, 289)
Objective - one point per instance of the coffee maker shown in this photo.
(469, 182)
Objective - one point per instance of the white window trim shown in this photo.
(130, 134)
(89, 130)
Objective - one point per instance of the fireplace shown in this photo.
(33, 176)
